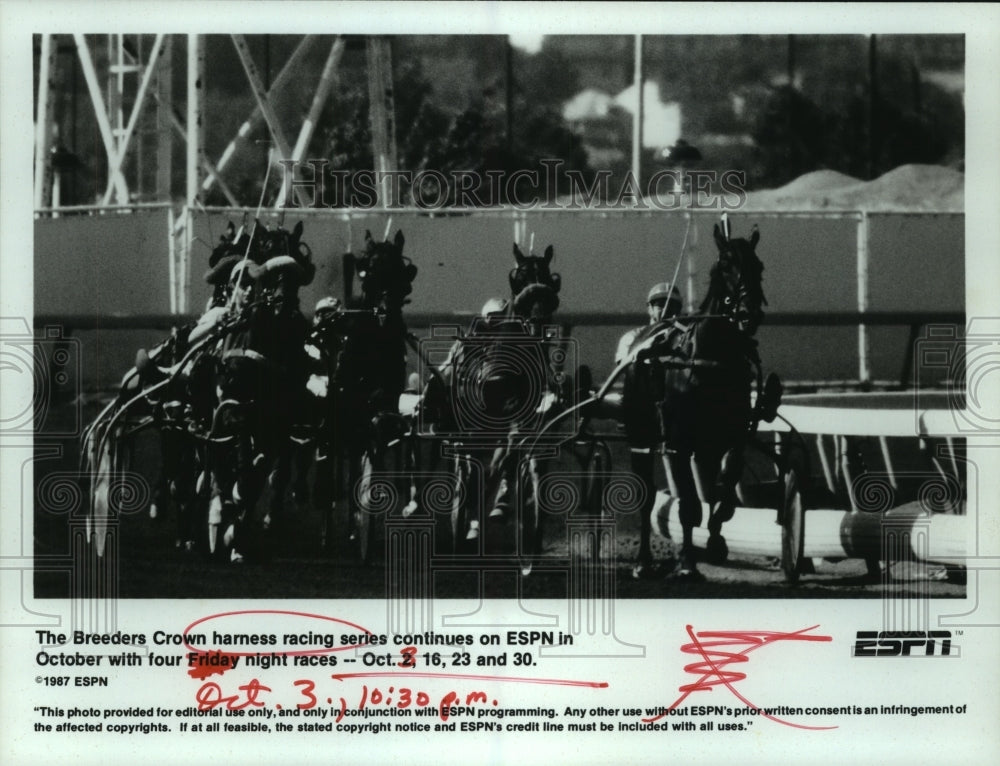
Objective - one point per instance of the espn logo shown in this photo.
(903, 643)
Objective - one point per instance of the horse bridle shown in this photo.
(735, 298)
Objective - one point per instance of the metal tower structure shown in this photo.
(125, 73)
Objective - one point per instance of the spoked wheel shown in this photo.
(109, 460)
(792, 524)
(96, 550)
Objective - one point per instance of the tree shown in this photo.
(472, 140)
(790, 135)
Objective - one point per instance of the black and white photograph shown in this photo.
(409, 342)
(552, 360)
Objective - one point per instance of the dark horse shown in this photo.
(185, 363)
(261, 372)
(494, 392)
(694, 376)
(364, 351)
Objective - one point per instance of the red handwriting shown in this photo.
(452, 698)
(406, 697)
(711, 672)
(210, 696)
(204, 663)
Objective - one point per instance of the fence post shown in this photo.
(171, 260)
(864, 372)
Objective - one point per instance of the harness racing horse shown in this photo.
(171, 389)
(501, 389)
(261, 372)
(364, 346)
(695, 374)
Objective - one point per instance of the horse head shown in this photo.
(534, 287)
(736, 289)
(284, 265)
(226, 255)
(386, 274)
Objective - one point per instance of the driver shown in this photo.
(663, 302)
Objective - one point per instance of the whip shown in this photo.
(677, 268)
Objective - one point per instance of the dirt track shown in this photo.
(291, 563)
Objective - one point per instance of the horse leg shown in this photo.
(474, 470)
(279, 479)
(161, 490)
(499, 475)
(220, 505)
(723, 500)
(642, 466)
(462, 502)
(411, 467)
(531, 511)
(678, 467)
(302, 460)
(182, 489)
(175, 485)
(352, 475)
(498, 483)
(326, 482)
(251, 475)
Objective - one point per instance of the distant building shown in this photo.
(604, 122)
(661, 122)
(588, 104)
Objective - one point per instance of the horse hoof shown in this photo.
(235, 557)
(265, 523)
(526, 568)
(716, 550)
(473, 533)
(688, 574)
(153, 511)
(647, 571)
(410, 509)
(497, 513)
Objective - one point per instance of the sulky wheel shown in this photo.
(109, 460)
(792, 515)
